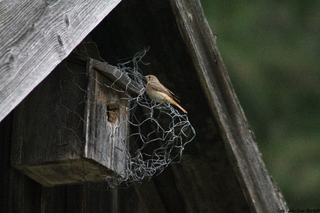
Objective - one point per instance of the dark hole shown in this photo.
(112, 112)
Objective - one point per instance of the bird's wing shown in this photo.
(159, 87)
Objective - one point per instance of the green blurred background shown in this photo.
(272, 52)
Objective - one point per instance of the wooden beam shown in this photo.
(114, 74)
(117, 76)
(36, 36)
(242, 150)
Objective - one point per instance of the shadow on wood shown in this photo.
(81, 129)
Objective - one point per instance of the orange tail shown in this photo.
(171, 101)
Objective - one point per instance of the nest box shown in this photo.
(73, 127)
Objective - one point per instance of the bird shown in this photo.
(159, 93)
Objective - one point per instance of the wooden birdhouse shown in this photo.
(81, 128)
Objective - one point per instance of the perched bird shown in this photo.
(158, 93)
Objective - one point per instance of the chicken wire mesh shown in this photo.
(157, 133)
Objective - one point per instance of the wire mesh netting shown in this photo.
(130, 134)
(161, 146)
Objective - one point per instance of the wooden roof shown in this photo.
(36, 36)
(222, 169)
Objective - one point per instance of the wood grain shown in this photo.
(242, 150)
(72, 128)
(107, 126)
(35, 36)
(215, 167)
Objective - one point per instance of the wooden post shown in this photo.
(73, 128)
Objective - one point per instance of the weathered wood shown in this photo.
(204, 180)
(35, 36)
(238, 138)
(106, 118)
(118, 77)
(115, 76)
(18, 193)
(79, 133)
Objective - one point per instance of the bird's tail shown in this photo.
(171, 101)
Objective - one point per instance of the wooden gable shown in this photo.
(220, 171)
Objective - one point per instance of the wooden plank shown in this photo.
(45, 122)
(242, 150)
(213, 186)
(71, 129)
(107, 125)
(36, 36)
(114, 74)
(18, 193)
(98, 197)
(118, 77)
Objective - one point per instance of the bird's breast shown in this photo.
(157, 96)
